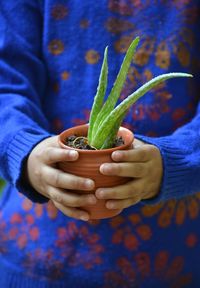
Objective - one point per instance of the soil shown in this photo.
(80, 142)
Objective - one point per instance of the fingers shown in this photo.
(57, 178)
(139, 154)
(72, 212)
(122, 196)
(126, 169)
(70, 199)
(131, 189)
(122, 204)
(53, 155)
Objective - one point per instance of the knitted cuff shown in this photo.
(175, 169)
(17, 153)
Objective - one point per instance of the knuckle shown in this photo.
(58, 198)
(54, 195)
(76, 202)
(56, 179)
(77, 184)
(43, 174)
(50, 193)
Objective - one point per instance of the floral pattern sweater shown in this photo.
(50, 57)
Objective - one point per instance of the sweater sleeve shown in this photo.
(22, 87)
(181, 161)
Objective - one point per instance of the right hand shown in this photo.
(48, 180)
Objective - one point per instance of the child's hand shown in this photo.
(144, 165)
(55, 184)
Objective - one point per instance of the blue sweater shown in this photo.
(50, 58)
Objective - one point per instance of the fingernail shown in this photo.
(100, 194)
(110, 205)
(116, 155)
(84, 217)
(72, 153)
(105, 168)
(89, 184)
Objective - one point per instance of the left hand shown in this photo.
(143, 164)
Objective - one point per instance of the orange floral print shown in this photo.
(52, 211)
(30, 219)
(59, 12)
(16, 218)
(161, 270)
(27, 204)
(126, 268)
(92, 56)
(142, 260)
(163, 56)
(22, 241)
(130, 241)
(34, 233)
(183, 54)
(130, 233)
(144, 52)
(123, 43)
(13, 233)
(116, 26)
(161, 262)
(144, 232)
(56, 47)
(191, 240)
(93, 250)
(84, 23)
(176, 211)
(65, 75)
(38, 209)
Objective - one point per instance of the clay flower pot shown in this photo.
(88, 165)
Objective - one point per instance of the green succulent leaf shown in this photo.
(118, 85)
(105, 118)
(113, 133)
(99, 97)
(107, 125)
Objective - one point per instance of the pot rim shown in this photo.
(109, 150)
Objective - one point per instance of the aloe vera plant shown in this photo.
(106, 117)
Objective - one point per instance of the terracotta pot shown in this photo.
(88, 165)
